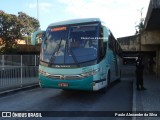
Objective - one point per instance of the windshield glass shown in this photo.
(70, 44)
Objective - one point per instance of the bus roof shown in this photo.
(75, 21)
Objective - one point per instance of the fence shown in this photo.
(18, 71)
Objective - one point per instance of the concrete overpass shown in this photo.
(150, 37)
(153, 16)
(148, 41)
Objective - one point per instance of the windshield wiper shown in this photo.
(68, 50)
(74, 57)
(52, 59)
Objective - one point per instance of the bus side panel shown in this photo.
(112, 62)
(103, 75)
(120, 63)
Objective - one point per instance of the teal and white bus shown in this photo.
(79, 54)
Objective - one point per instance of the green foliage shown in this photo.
(30, 24)
(27, 39)
(9, 31)
(14, 27)
(140, 27)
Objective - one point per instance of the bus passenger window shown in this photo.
(102, 45)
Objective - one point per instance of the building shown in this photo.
(147, 43)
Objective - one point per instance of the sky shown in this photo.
(120, 16)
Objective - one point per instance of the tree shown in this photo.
(139, 28)
(30, 25)
(14, 27)
(9, 31)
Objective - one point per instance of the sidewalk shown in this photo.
(147, 100)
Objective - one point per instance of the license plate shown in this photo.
(63, 84)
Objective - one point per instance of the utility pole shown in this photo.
(37, 10)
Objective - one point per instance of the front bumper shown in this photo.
(73, 84)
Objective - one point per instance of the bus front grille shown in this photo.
(66, 77)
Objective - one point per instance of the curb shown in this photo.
(14, 91)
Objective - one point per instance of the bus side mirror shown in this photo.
(37, 34)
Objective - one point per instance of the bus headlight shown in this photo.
(43, 73)
(90, 73)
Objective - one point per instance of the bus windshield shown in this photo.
(70, 45)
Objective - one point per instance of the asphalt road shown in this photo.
(117, 98)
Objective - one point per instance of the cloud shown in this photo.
(119, 15)
(42, 6)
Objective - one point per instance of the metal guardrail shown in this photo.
(18, 71)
